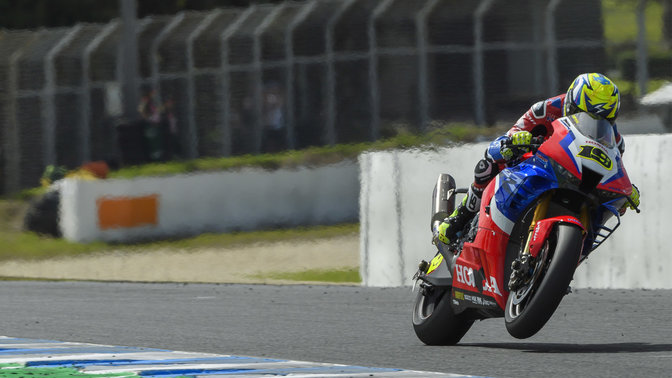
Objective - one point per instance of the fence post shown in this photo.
(539, 85)
(128, 51)
(642, 53)
(423, 76)
(373, 68)
(479, 78)
(331, 71)
(154, 53)
(225, 113)
(85, 98)
(49, 97)
(193, 141)
(289, 76)
(551, 47)
(12, 143)
(258, 73)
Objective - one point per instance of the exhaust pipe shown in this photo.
(443, 199)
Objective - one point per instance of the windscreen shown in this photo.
(595, 128)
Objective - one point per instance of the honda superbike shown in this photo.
(538, 220)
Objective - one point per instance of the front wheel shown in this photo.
(529, 307)
(434, 321)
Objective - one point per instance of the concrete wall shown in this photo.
(213, 202)
(395, 210)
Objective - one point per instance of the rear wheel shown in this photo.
(529, 307)
(434, 321)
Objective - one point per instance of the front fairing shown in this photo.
(576, 155)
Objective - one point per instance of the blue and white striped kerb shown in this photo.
(45, 358)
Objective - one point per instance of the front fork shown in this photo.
(521, 268)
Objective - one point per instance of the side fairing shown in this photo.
(519, 186)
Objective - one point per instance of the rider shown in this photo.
(590, 92)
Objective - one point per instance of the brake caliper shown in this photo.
(521, 270)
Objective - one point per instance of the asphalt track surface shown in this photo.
(594, 333)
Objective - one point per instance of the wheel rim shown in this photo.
(522, 296)
(425, 306)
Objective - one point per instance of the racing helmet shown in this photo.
(593, 93)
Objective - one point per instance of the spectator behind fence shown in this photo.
(150, 111)
(274, 131)
(170, 131)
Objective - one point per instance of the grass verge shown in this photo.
(334, 276)
(29, 246)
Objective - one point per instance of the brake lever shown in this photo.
(632, 203)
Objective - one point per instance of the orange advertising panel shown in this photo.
(127, 212)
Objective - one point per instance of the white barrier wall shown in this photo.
(395, 210)
(209, 202)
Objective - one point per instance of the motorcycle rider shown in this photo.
(589, 92)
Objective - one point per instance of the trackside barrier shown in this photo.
(395, 206)
(145, 208)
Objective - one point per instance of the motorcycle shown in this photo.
(538, 220)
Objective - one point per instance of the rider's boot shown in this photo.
(448, 229)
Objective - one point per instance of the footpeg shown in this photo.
(422, 269)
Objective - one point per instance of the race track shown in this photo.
(594, 333)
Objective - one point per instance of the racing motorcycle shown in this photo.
(538, 220)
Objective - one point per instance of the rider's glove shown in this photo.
(518, 138)
(634, 198)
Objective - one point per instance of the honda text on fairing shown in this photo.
(537, 222)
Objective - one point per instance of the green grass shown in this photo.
(334, 276)
(620, 22)
(627, 87)
(18, 245)
(249, 237)
(30, 246)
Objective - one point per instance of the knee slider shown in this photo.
(484, 172)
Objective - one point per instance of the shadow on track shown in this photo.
(578, 348)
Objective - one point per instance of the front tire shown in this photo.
(435, 322)
(529, 307)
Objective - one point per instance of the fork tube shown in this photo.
(539, 213)
(585, 218)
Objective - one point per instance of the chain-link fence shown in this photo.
(297, 74)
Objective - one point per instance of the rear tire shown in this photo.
(435, 322)
(534, 309)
